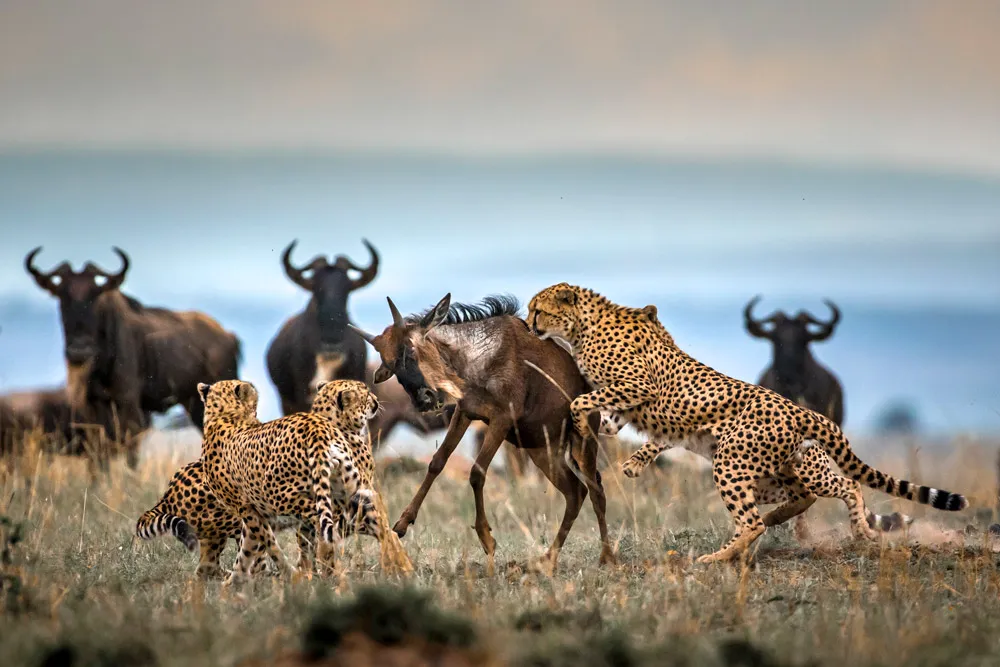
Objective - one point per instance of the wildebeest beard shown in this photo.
(77, 378)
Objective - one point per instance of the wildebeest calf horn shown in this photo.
(361, 332)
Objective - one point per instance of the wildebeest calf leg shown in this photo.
(459, 425)
(573, 490)
(592, 478)
(495, 434)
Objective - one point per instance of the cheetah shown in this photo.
(190, 512)
(810, 463)
(638, 371)
(279, 468)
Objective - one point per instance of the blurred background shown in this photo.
(690, 155)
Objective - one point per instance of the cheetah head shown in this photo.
(348, 403)
(554, 313)
(228, 397)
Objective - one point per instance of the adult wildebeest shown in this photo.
(793, 372)
(486, 361)
(125, 360)
(44, 413)
(316, 345)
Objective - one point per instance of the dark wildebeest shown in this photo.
(125, 360)
(797, 376)
(315, 345)
(480, 358)
(793, 372)
(45, 412)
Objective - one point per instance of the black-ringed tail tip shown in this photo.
(942, 500)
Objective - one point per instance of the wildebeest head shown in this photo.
(790, 336)
(78, 292)
(330, 285)
(416, 362)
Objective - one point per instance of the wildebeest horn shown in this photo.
(114, 281)
(294, 274)
(755, 327)
(43, 279)
(361, 332)
(397, 319)
(367, 274)
(826, 328)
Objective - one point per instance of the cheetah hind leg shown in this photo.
(738, 493)
(208, 563)
(792, 498)
(828, 484)
(641, 459)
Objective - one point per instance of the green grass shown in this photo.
(79, 581)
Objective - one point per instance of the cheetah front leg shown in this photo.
(642, 457)
(614, 398)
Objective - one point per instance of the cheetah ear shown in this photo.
(320, 385)
(203, 391)
(566, 296)
(245, 391)
(650, 311)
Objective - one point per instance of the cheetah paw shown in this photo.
(632, 468)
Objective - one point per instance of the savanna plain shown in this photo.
(79, 589)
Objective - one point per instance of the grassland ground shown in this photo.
(927, 596)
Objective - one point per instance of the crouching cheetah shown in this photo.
(260, 471)
(640, 373)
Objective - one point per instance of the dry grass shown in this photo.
(929, 597)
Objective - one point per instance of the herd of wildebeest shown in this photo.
(126, 361)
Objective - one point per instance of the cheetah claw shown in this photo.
(632, 468)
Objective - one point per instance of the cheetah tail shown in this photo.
(154, 523)
(839, 449)
(320, 463)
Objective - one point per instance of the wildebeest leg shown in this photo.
(495, 434)
(592, 478)
(459, 425)
(573, 490)
(517, 461)
(515, 458)
(196, 411)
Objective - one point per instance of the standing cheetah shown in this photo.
(190, 511)
(639, 372)
(260, 471)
